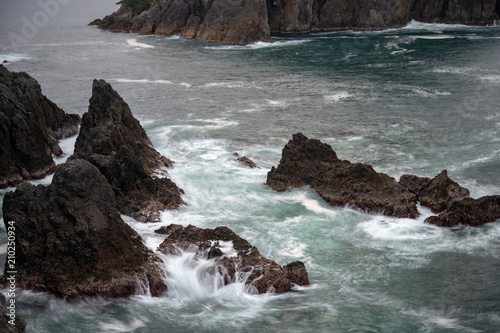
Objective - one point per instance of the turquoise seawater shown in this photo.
(415, 100)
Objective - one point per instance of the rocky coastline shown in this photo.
(30, 127)
(114, 141)
(310, 163)
(261, 274)
(243, 22)
(71, 240)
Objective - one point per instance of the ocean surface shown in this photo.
(415, 100)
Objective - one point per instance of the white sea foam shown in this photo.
(426, 93)
(143, 81)
(435, 37)
(230, 84)
(491, 78)
(454, 70)
(13, 57)
(277, 103)
(136, 44)
(336, 96)
(259, 45)
(388, 228)
(436, 27)
(119, 326)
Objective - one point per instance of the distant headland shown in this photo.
(243, 22)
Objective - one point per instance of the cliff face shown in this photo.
(248, 21)
(30, 125)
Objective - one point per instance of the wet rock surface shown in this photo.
(262, 274)
(30, 125)
(71, 240)
(309, 162)
(469, 211)
(115, 142)
(437, 193)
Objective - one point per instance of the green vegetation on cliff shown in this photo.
(137, 6)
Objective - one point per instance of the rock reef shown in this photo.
(30, 125)
(71, 240)
(309, 162)
(247, 21)
(262, 274)
(115, 142)
(471, 212)
(437, 193)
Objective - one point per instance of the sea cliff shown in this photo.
(248, 21)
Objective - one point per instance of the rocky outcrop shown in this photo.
(471, 212)
(437, 193)
(245, 263)
(309, 162)
(464, 11)
(167, 230)
(228, 21)
(10, 322)
(71, 240)
(115, 142)
(30, 125)
(243, 160)
(247, 21)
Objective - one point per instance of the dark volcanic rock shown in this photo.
(10, 322)
(472, 212)
(227, 21)
(437, 193)
(247, 162)
(71, 240)
(30, 125)
(309, 162)
(115, 142)
(247, 21)
(167, 230)
(261, 273)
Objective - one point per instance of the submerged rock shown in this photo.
(437, 193)
(115, 142)
(261, 273)
(30, 125)
(471, 212)
(309, 162)
(71, 240)
(245, 161)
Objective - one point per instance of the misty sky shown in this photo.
(66, 12)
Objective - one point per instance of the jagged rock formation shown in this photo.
(10, 322)
(472, 212)
(263, 274)
(248, 21)
(71, 240)
(30, 125)
(228, 21)
(167, 230)
(115, 142)
(437, 193)
(309, 162)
